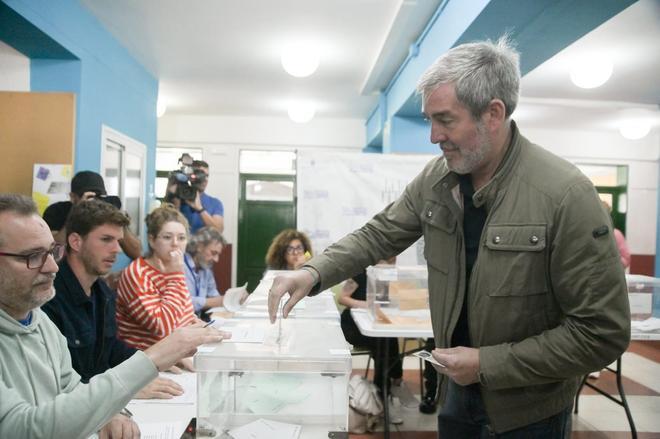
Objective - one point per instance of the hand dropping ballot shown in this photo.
(426, 356)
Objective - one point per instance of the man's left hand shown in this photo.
(196, 203)
(120, 427)
(461, 364)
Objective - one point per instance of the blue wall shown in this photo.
(540, 29)
(71, 51)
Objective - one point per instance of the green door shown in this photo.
(266, 207)
(616, 197)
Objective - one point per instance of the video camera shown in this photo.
(188, 180)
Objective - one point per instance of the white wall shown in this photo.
(609, 147)
(14, 69)
(222, 137)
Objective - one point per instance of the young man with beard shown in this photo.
(41, 394)
(84, 306)
(526, 291)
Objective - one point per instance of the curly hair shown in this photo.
(276, 255)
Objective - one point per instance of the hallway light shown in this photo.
(635, 123)
(161, 107)
(301, 112)
(591, 72)
(300, 60)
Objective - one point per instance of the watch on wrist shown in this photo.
(200, 210)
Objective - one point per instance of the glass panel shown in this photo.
(260, 190)
(268, 162)
(167, 158)
(112, 166)
(132, 193)
(606, 176)
(161, 186)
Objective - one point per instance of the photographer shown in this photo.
(86, 185)
(186, 191)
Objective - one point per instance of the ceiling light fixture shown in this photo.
(634, 129)
(300, 60)
(301, 112)
(161, 107)
(635, 123)
(591, 72)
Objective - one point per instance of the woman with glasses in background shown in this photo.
(152, 298)
(289, 250)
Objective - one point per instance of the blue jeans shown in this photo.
(463, 415)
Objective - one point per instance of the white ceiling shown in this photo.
(630, 40)
(222, 57)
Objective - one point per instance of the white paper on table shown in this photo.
(232, 298)
(265, 429)
(162, 430)
(187, 380)
(245, 334)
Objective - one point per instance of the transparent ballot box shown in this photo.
(644, 296)
(298, 375)
(398, 295)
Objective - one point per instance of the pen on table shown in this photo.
(209, 323)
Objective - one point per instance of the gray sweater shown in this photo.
(41, 394)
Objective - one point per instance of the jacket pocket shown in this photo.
(79, 339)
(515, 260)
(439, 240)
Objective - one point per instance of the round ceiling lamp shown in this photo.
(591, 72)
(301, 112)
(161, 108)
(635, 123)
(300, 60)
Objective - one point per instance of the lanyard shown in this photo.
(196, 277)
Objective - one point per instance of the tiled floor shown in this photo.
(598, 417)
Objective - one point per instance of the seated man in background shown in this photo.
(203, 250)
(86, 185)
(84, 306)
(42, 396)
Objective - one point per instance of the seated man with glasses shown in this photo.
(41, 394)
(203, 251)
(289, 250)
(84, 306)
(153, 298)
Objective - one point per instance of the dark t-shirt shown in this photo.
(474, 220)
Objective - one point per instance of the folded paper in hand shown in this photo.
(233, 297)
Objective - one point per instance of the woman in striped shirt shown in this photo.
(153, 299)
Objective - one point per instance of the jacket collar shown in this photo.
(72, 288)
(486, 194)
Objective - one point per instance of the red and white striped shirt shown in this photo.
(151, 304)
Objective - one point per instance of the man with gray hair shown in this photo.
(525, 288)
(203, 250)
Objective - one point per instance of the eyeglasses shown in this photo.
(291, 250)
(37, 260)
(170, 238)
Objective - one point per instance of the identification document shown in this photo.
(426, 356)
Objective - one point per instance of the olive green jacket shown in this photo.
(547, 300)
